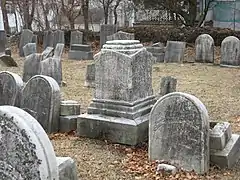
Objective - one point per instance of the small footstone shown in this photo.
(68, 108)
(67, 168)
(8, 61)
(229, 155)
(167, 168)
(68, 123)
(220, 134)
(90, 76)
(168, 85)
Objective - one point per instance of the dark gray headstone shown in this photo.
(230, 51)
(204, 45)
(2, 41)
(58, 37)
(120, 35)
(47, 39)
(81, 47)
(179, 132)
(106, 30)
(174, 51)
(35, 39)
(29, 48)
(41, 99)
(168, 85)
(26, 151)
(26, 37)
(76, 37)
(31, 66)
(90, 76)
(11, 85)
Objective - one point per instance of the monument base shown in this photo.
(115, 129)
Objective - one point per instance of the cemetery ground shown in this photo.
(218, 88)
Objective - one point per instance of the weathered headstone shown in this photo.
(47, 39)
(230, 51)
(168, 85)
(29, 48)
(174, 51)
(26, 37)
(48, 52)
(31, 66)
(11, 85)
(120, 35)
(41, 99)
(123, 94)
(58, 51)
(179, 132)
(35, 39)
(90, 76)
(2, 41)
(76, 37)
(58, 37)
(106, 30)
(80, 52)
(157, 52)
(26, 151)
(204, 45)
(52, 67)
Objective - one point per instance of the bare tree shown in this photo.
(71, 9)
(45, 9)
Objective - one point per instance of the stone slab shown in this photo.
(67, 168)
(220, 134)
(229, 155)
(8, 61)
(80, 55)
(81, 47)
(68, 123)
(116, 130)
(69, 108)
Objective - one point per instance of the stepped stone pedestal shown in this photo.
(123, 94)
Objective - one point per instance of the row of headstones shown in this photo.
(41, 98)
(50, 39)
(230, 50)
(180, 132)
(46, 63)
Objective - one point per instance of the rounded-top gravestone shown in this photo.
(10, 88)
(179, 132)
(26, 151)
(230, 51)
(204, 45)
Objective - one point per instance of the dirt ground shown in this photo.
(218, 88)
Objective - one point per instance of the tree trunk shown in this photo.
(105, 9)
(5, 17)
(85, 7)
(203, 16)
(71, 22)
(115, 11)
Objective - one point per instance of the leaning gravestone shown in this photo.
(58, 37)
(29, 48)
(26, 37)
(123, 94)
(7, 60)
(106, 30)
(26, 151)
(179, 132)
(120, 35)
(2, 41)
(41, 99)
(174, 51)
(11, 85)
(31, 66)
(58, 50)
(204, 45)
(48, 52)
(47, 39)
(230, 52)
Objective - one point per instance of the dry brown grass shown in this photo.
(218, 88)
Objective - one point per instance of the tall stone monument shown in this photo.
(123, 94)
